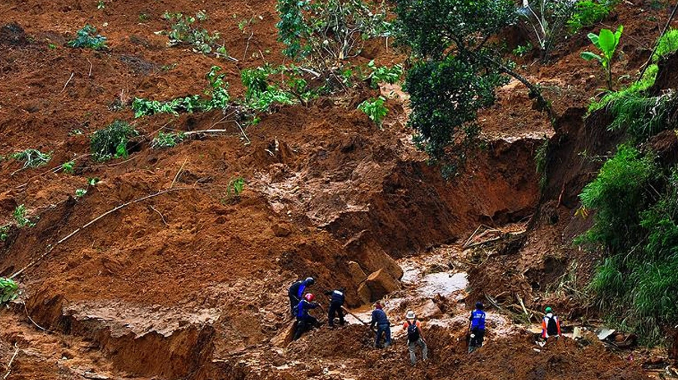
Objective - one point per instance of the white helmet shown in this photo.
(410, 315)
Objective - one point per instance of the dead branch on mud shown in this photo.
(114, 209)
(31, 319)
(178, 173)
(161, 215)
(9, 365)
(67, 82)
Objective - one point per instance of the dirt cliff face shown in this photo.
(191, 283)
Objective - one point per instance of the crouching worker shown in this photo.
(296, 291)
(550, 325)
(414, 337)
(305, 321)
(476, 327)
(336, 302)
(380, 319)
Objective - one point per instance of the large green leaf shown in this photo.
(607, 42)
(594, 38)
(587, 55)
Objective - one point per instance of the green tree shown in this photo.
(455, 69)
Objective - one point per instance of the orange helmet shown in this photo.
(309, 297)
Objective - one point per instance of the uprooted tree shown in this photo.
(455, 70)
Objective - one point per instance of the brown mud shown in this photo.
(191, 284)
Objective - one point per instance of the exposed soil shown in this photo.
(191, 284)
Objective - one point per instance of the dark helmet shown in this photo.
(310, 280)
(479, 305)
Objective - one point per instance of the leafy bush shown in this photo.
(32, 158)
(521, 50)
(79, 193)
(8, 290)
(589, 12)
(385, 74)
(184, 30)
(4, 232)
(85, 38)
(68, 167)
(20, 217)
(167, 140)
(234, 188)
(618, 194)
(666, 45)
(375, 109)
(111, 142)
(607, 42)
(268, 85)
(324, 32)
(217, 92)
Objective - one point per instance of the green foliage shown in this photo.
(322, 32)
(234, 188)
(618, 194)
(589, 12)
(4, 232)
(85, 38)
(640, 284)
(666, 45)
(8, 290)
(167, 140)
(642, 116)
(185, 30)
(32, 158)
(546, 19)
(385, 74)
(269, 85)
(68, 167)
(92, 181)
(521, 50)
(79, 193)
(607, 42)
(217, 92)
(375, 109)
(454, 72)
(20, 218)
(111, 142)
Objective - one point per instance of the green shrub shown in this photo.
(589, 12)
(607, 42)
(20, 217)
(167, 140)
(374, 109)
(32, 158)
(79, 193)
(234, 189)
(111, 142)
(85, 38)
(184, 30)
(4, 232)
(666, 45)
(384, 74)
(68, 167)
(619, 192)
(521, 50)
(8, 290)
(322, 32)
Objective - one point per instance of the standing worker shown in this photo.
(380, 319)
(336, 302)
(414, 337)
(477, 327)
(297, 291)
(550, 325)
(304, 319)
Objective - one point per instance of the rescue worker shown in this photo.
(296, 291)
(550, 325)
(380, 319)
(414, 336)
(476, 327)
(336, 302)
(305, 320)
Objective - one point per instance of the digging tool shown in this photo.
(354, 316)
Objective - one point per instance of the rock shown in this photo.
(356, 272)
(7, 202)
(428, 311)
(285, 336)
(371, 256)
(381, 283)
(364, 293)
(280, 230)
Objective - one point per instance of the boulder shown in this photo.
(381, 283)
(356, 272)
(285, 335)
(371, 256)
(364, 293)
(428, 311)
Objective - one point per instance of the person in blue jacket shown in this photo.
(305, 320)
(380, 319)
(296, 292)
(476, 327)
(337, 299)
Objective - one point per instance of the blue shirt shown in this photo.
(303, 307)
(379, 317)
(477, 319)
(297, 289)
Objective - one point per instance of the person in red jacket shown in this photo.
(550, 325)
